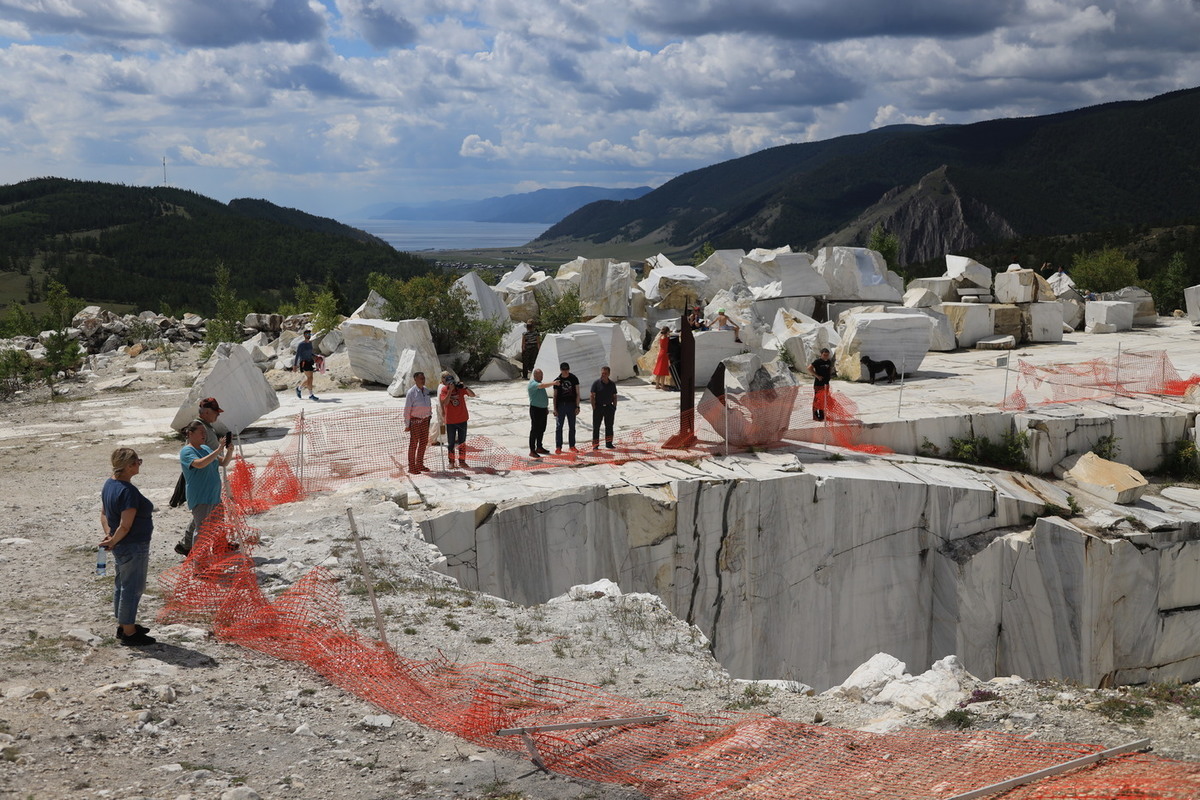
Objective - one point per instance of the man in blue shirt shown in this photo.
(539, 412)
(306, 362)
(202, 478)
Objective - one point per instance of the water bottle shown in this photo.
(101, 562)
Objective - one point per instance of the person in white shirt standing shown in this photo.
(418, 411)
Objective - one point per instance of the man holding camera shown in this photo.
(453, 399)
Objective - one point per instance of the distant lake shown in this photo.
(415, 236)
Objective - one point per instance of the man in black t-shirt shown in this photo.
(566, 405)
(822, 372)
(604, 408)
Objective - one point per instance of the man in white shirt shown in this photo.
(418, 410)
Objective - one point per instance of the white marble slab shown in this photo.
(616, 348)
(900, 338)
(856, 273)
(231, 377)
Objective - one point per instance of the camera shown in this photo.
(228, 438)
(459, 385)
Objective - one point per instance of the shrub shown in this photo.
(1181, 463)
(555, 315)
(1009, 453)
(1105, 270)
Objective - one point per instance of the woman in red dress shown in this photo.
(662, 367)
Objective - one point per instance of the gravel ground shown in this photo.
(81, 716)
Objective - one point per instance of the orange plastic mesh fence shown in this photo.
(1126, 374)
(341, 447)
(688, 756)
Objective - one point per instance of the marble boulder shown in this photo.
(713, 347)
(1144, 312)
(616, 348)
(604, 286)
(386, 352)
(723, 269)
(856, 273)
(374, 307)
(756, 408)
(488, 304)
(583, 349)
(1108, 316)
(944, 288)
(968, 272)
(1042, 322)
(1018, 286)
(673, 286)
(1110, 480)
(1191, 298)
(239, 386)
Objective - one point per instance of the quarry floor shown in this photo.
(81, 716)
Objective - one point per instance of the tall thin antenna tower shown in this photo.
(165, 171)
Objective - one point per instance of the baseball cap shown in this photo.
(211, 402)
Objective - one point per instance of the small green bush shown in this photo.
(1181, 463)
(1009, 453)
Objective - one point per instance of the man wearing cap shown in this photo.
(418, 410)
(306, 362)
(724, 323)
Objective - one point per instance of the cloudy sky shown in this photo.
(329, 105)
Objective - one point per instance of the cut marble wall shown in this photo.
(616, 349)
(901, 338)
(239, 386)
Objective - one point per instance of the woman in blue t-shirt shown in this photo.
(125, 518)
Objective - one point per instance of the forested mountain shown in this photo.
(942, 188)
(543, 205)
(156, 247)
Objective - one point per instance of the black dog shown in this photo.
(873, 367)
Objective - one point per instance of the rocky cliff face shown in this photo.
(930, 218)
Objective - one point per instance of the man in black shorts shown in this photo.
(306, 362)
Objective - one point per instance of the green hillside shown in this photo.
(156, 247)
(1122, 163)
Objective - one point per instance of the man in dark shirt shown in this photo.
(604, 408)
(822, 372)
(566, 405)
(306, 362)
(530, 341)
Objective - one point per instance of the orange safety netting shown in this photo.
(688, 756)
(1124, 375)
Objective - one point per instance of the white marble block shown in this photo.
(803, 337)
(616, 348)
(902, 339)
(1108, 316)
(1019, 286)
(239, 386)
(674, 286)
(941, 332)
(722, 269)
(968, 271)
(970, 321)
(604, 286)
(1042, 322)
(768, 307)
(944, 288)
(798, 278)
(488, 304)
(713, 347)
(917, 297)
(583, 350)
(375, 348)
(751, 412)
(1144, 311)
(856, 273)
(1191, 298)
(516, 276)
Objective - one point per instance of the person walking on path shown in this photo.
(306, 362)
(539, 412)
(418, 411)
(530, 341)
(566, 406)
(127, 524)
(604, 408)
(202, 477)
(822, 371)
(453, 399)
(662, 364)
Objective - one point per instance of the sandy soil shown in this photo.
(82, 716)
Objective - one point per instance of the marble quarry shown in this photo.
(389, 352)
(901, 338)
(804, 575)
(230, 375)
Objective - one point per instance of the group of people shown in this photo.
(567, 402)
(126, 515)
